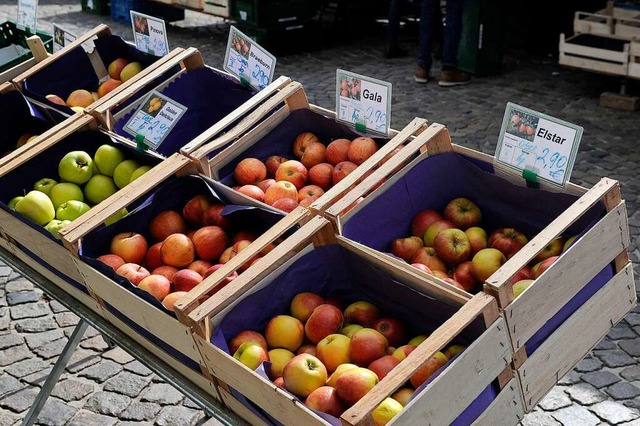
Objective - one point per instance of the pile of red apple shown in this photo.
(452, 246)
(331, 357)
(286, 183)
(183, 248)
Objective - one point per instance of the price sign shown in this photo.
(27, 12)
(363, 101)
(149, 34)
(61, 38)
(155, 119)
(538, 143)
(248, 61)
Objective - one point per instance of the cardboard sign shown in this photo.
(149, 34)
(27, 13)
(364, 102)
(248, 61)
(535, 143)
(61, 38)
(154, 119)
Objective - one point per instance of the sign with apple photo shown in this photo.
(61, 38)
(27, 13)
(149, 34)
(155, 119)
(363, 102)
(537, 143)
(248, 61)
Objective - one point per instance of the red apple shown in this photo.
(246, 336)
(403, 395)
(361, 312)
(307, 349)
(333, 378)
(423, 268)
(486, 262)
(111, 260)
(209, 242)
(153, 258)
(171, 299)
(133, 272)
(554, 248)
(463, 212)
(309, 191)
(177, 250)
(422, 220)
(366, 346)
(338, 151)
(284, 331)
(452, 245)
(342, 170)
(403, 351)
(252, 191)
(427, 370)
(383, 365)
(304, 374)
(303, 304)
(193, 211)
(185, 280)
(428, 257)
(361, 149)
(406, 248)
(354, 383)
(324, 320)
(157, 285)
(231, 252)
(325, 399)
(166, 223)
(279, 382)
(200, 266)
(333, 351)
(523, 274)
(307, 202)
(280, 190)
(213, 217)
(539, 268)
(463, 275)
(250, 171)
(394, 330)
(292, 171)
(243, 234)
(272, 163)
(321, 175)
(477, 238)
(265, 184)
(302, 142)
(217, 266)
(287, 205)
(507, 240)
(434, 229)
(130, 246)
(313, 154)
(166, 270)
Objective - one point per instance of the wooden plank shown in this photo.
(234, 405)
(619, 101)
(567, 276)
(37, 48)
(577, 335)
(506, 409)
(16, 70)
(620, 58)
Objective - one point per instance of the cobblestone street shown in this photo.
(106, 386)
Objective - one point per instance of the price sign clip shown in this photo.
(531, 178)
(361, 127)
(245, 81)
(140, 143)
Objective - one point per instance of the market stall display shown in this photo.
(19, 51)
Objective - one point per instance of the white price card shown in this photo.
(149, 34)
(154, 120)
(61, 38)
(535, 143)
(27, 13)
(363, 101)
(248, 61)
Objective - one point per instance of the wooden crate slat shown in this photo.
(234, 405)
(621, 58)
(507, 408)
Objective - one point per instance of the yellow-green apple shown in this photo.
(427, 370)
(554, 248)
(342, 170)
(366, 346)
(246, 336)
(166, 270)
(279, 357)
(383, 365)
(56, 100)
(232, 276)
(321, 175)
(539, 268)
(387, 410)
(284, 331)
(65, 191)
(250, 171)
(107, 86)
(422, 220)
(452, 245)
(116, 67)
(166, 223)
(292, 171)
(570, 241)
(333, 350)
(304, 374)
(361, 312)
(133, 272)
(280, 190)
(338, 151)
(417, 340)
(210, 242)
(361, 149)
(303, 304)
(112, 260)
(251, 355)
(477, 238)
(349, 329)
(76, 167)
(71, 210)
(428, 257)
(123, 172)
(99, 188)
(315, 153)
(307, 349)
(139, 172)
(252, 191)
(523, 274)
(463, 212)
(521, 286)
(403, 395)
(354, 383)
(12, 202)
(185, 280)
(80, 98)
(107, 158)
(194, 210)
(44, 185)
(309, 191)
(302, 141)
(157, 285)
(486, 262)
(116, 216)
(393, 329)
(177, 250)
(55, 226)
(453, 350)
(333, 378)
(324, 320)
(79, 109)
(403, 351)
(434, 229)
(130, 246)
(171, 299)
(200, 266)
(422, 267)
(406, 248)
(463, 274)
(325, 399)
(507, 240)
(272, 163)
(129, 70)
(153, 258)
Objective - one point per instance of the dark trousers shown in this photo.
(428, 29)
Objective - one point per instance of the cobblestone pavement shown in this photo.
(106, 386)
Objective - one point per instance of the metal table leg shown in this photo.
(58, 368)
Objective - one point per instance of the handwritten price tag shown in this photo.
(61, 38)
(544, 145)
(248, 61)
(363, 101)
(27, 13)
(150, 34)
(155, 119)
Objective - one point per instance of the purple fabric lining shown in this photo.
(209, 97)
(19, 116)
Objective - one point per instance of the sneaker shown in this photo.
(422, 75)
(453, 78)
(395, 52)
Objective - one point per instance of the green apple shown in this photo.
(71, 210)
(37, 207)
(521, 286)
(251, 354)
(116, 217)
(76, 167)
(106, 159)
(44, 185)
(65, 191)
(55, 226)
(123, 172)
(12, 202)
(99, 187)
(139, 172)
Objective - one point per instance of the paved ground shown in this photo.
(106, 386)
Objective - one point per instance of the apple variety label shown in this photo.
(363, 101)
(544, 145)
(27, 12)
(149, 34)
(248, 61)
(61, 38)
(155, 119)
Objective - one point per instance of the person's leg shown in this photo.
(427, 30)
(452, 33)
(395, 13)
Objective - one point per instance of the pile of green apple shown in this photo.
(452, 246)
(331, 356)
(83, 181)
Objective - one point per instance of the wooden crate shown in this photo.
(579, 268)
(628, 28)
(484, 362)
(634, 59)
(38, 52)
(217, 7)
(593, 23)
(602, 54)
